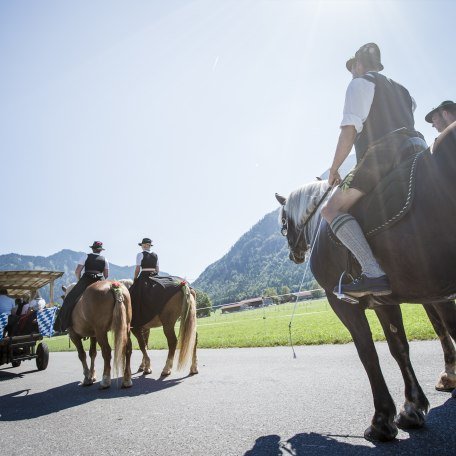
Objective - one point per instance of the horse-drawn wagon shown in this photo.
(20, 341)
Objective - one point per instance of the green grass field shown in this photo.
(314, 323)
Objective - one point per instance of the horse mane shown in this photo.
(303, 201)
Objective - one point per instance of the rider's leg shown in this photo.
(348, 231)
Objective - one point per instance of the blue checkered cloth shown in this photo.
(3, 323)
(45, 320)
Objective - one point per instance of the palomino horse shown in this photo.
(182, 305)
(104, 306)
(418, 253)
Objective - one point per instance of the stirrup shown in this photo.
(343, 296)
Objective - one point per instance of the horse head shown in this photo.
(299, 217)
(67, 289)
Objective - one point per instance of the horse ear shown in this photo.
(281, 199)
(63, 288)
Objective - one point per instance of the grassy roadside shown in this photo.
(314, 323)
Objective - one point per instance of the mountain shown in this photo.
(65, 260)
(257, 261)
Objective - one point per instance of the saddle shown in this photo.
(149, 295)
(391, 199)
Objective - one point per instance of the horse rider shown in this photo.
(378, 120)
(95, 267)
(146, 267)
(146, 261)
(442, 116)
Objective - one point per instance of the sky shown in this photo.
(179, 120)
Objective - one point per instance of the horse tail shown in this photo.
(187, 330)
(119, 327)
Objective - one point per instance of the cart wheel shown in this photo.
(42, 356)
(15, 363)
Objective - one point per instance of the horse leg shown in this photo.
(93, 355)
(168, 329)
(77, 341)
(447, 379)
(146, 334)
(447, 313)
(144, 367)
(106, 352)
(382, 426)
(194, 366)
(126, 382)
(416, 404)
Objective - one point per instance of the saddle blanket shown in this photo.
(149, 295)
(391, 200)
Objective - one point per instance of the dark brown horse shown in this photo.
(418, 253)
(181, 305)
(104, 306)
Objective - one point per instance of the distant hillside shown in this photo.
(257, 261)
(65, 260)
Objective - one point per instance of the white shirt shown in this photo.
(358, 101)
(83, 259)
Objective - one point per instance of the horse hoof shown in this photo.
(410, 420)
(384, 434)
(127, 384)
(165, 374)
(105, 382)
(147, 371)
(87, 382)
(194, 372)
(444, 389)
(446, 382)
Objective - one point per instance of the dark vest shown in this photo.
(391, 109)
(95, 263)
(149, 260)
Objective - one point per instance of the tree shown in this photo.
(203, 304)
(285, 294)
(271, 292)
(317, 293)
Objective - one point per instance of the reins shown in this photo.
(284, 228)
(301, 229)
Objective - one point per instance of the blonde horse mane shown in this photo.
(302, 202)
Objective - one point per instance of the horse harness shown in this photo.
(301, 229)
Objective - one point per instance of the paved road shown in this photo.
(244, 402)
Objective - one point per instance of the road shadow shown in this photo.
(5, 375)
(436, 438)
(23, 404)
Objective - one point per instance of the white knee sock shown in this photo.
(348, 231)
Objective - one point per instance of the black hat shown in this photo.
(368, 54)
(145, 241)
(97, 245)
(442, 106)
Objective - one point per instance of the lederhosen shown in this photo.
(139, 291)
(388, 135)
(94, 267)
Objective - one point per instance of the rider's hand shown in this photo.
(334, 178)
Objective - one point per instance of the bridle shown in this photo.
(301, 229)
